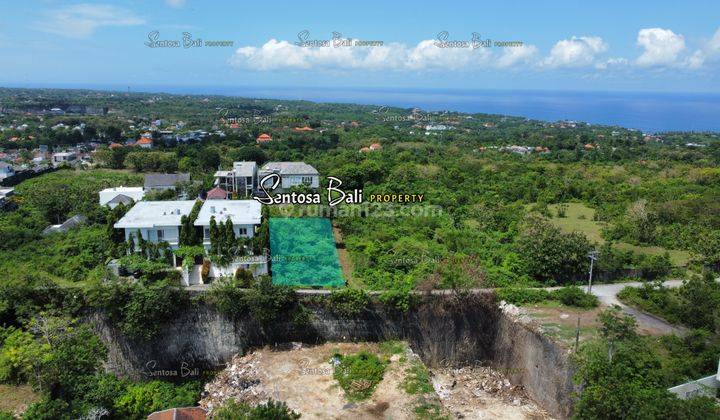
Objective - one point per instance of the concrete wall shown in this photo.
(706, 386)
(443, 330)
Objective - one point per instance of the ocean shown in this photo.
(648, 112)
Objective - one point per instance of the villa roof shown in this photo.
(121, 199)
(244, 168)
(217, 193)
(149, 214)
(290, 168)
(186, 413)
(241, 212)
(164, 180)
(109, 195)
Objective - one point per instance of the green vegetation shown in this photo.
(139, 309)
(575, 296)
(358, 374)
(265, 302)
(621, 374)
(417, 382)
(348, 302)
(270, 410)
(578, 217)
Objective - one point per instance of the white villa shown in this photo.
(245, 215)
(156, 221)
(63, 157)
(112, 197)
(242, 179)
(159, 221)
(292, 174)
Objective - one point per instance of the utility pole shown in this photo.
(577, 334)
(593, 256)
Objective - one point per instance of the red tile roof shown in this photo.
(187, 413)
(303, 129)
(217, 193)
(144, 140)
(263, 138)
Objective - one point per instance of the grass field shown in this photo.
(579, 218)
(304, 253)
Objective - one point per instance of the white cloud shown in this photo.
(662, 47)
(710, 51)
(426, 55)
(575, 52)
(512, 56)
(177, 4)
(613, 62)
(82, 20)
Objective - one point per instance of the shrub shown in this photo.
(46, 409)
(417, 380)
(227, 296)
(575, 296)
(400, 300)
(359, 374)
(655, 266)
(150, 306)
(139, 309)
(271, 410)
(268, 302)
(348, 302)
(141, 399)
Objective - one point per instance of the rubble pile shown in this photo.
(469, 392)
(241, 381)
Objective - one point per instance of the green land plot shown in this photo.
(304, 253)
(579, 218)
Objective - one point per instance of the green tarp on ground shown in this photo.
(303, 252)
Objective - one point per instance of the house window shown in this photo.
(242, 231)
(307, 180)
(160, 234)
(206, 232)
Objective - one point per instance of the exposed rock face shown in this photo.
(444, 330)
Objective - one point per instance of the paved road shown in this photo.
(607, 293)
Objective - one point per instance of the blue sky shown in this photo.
(566, 45)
